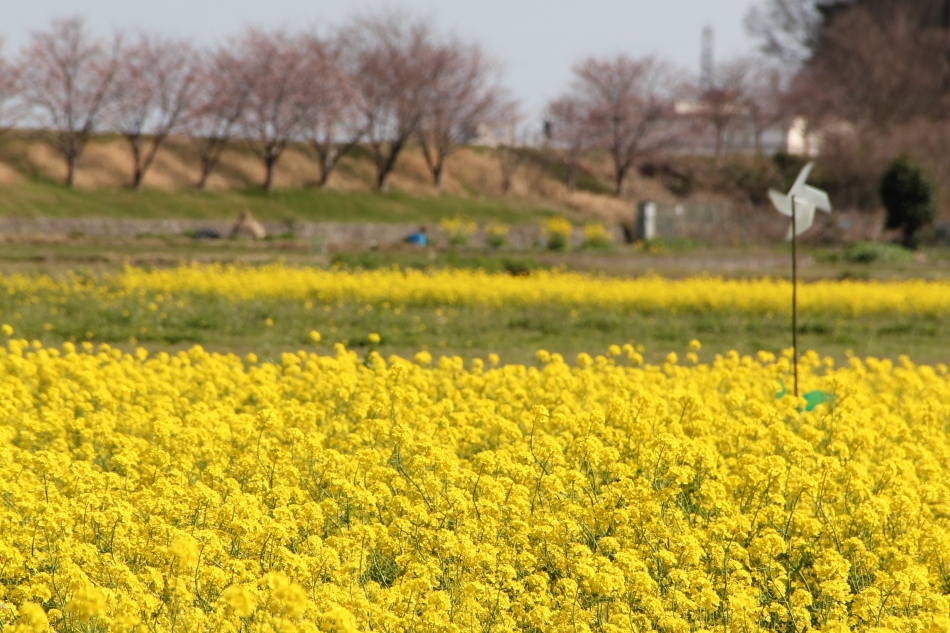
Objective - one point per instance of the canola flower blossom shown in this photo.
(202, 492)
(459, 230)
(460, 287)
(497, 233)
(558, 232)
(596, 235)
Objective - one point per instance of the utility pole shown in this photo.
(707, 79)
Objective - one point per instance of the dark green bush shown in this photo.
(910, 198)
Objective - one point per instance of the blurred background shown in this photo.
(123, 120)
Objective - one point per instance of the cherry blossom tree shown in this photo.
(331, 120)
(154, 89)
(10, 109)
(393, 61)
(221, 95)
(66, 76)
(633, 102)
(571, 130)
(273, 65)
(723, 103)
(462, 96)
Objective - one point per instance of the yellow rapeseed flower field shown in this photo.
(473, 287)
(205, 492)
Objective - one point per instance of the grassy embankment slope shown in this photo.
(30, 173)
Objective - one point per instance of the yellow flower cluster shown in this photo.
(474, 287)
(197, 492)
(596, 235)
(558, 232)
(497, 233)
(459, 230)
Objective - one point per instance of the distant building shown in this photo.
(803, 141)
(799, 141)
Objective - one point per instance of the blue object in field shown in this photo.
(418, 239)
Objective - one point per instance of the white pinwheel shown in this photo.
(806, 200)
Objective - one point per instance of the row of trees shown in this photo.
(383, 81)
(389, 80)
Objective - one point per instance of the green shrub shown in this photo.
(867, 252)
(909, 197)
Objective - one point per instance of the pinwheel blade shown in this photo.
(799, 185)
(816, 197)
(804, 218)
(802, 200)
(782, 202)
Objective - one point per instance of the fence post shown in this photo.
(646, 220)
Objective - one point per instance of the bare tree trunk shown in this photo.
(717, 152)
(150, 155)
(436, 168)
(621, 165)
(508, 161)
(137, 178)
(203, 179)
(385, 162)
(269, 162)
(571, 177)
(505, 182)
(70, 147)
(208, 162)
(326, 166)
(328, 156)
(620, 174)
(206, 166)
(70, 168)
(143, 158)
(210, 151)
(137, 171)
(435, 159)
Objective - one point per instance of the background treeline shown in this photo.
(871, 81)
(382, 82)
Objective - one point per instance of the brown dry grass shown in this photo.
(9, 176)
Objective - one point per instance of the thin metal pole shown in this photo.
(794, 297)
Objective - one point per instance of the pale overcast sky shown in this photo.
(537, 40)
